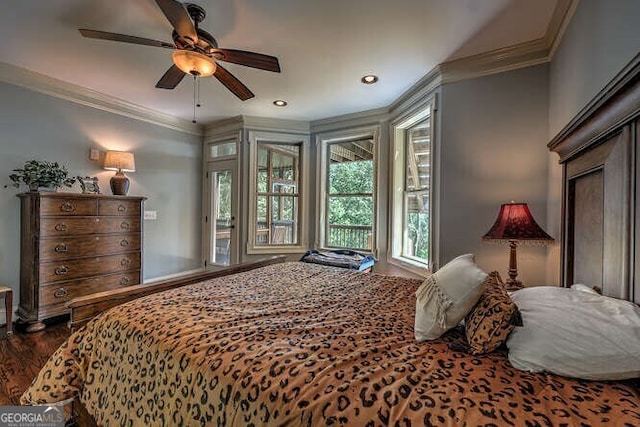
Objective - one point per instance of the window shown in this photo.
(277, 194)
(276, 185)
(412, 195)
(416, 191)
(347, 191)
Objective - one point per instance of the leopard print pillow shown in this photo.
(492, 319)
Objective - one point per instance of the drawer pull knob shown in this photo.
(122, 208)
(61, 293)
(125, 262)
(61, 248)
(125, 225)
(67, 207)
(61, 227)
(124, 242)
(61, 271)
(124, 281)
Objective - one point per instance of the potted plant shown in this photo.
(41, 175)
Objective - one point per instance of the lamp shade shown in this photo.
(194, 63)
(119, 161)
(515, 223)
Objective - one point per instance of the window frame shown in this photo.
(256, 138)
(322, 182)
(398, 193)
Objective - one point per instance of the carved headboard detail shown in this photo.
(599, 154)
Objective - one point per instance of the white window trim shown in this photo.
(255, 137)
(397, 228)
(322, 141)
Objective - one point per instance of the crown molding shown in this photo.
(349, 121)
(562, 15)
(223, 126)
(276, 125)
(510, 58)
(37, 82)
(255, 123)
(419, 91)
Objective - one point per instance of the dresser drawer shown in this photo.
(67, 206)
(63, 292)
(119, 207)
(70, 226)
(56, 271)
(63, 248)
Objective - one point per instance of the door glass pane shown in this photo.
(221, 214)
(222, 150)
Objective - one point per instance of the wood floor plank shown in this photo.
(22, 355)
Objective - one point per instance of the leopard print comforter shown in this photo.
(303, 345)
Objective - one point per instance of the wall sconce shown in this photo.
(515, 224)
(120, 161)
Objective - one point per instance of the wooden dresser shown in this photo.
(74, 245)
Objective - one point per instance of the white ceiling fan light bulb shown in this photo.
(194, 63)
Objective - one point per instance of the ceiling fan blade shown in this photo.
(233, 84)
(249, 59)
(103, 35)
(171, 78)
(179, 18)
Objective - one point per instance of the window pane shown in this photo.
(222, 150)
(418, 167)
(283, 224)
(351, 167)
(416, 244)
(282, 166)
(350, 222)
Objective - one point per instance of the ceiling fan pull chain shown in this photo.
(198, 93)
(194, 99)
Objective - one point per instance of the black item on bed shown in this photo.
(340, 258)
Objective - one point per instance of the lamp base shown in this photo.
(119, 184)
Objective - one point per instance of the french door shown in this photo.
(222, 213)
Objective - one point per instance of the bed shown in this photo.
(305, 344)
(302, 344)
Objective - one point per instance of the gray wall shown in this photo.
(493, 150)
(601, 39)
(168, 172)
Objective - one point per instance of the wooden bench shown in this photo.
(7, 294)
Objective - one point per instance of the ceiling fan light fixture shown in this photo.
(194, 63)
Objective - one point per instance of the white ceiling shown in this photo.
(324, 48)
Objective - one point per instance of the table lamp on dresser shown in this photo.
(120, 161)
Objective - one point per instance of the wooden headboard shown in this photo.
(601, 189)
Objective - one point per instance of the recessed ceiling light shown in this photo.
(369, 79)
(280, 103)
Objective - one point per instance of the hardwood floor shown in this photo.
(21, 357)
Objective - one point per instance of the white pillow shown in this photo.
(575, 334)
(445, 297)
(583, 288)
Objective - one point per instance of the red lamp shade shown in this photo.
(515, 222)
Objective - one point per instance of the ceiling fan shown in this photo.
(196, 52)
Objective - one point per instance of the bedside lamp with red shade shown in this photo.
(516, 225)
